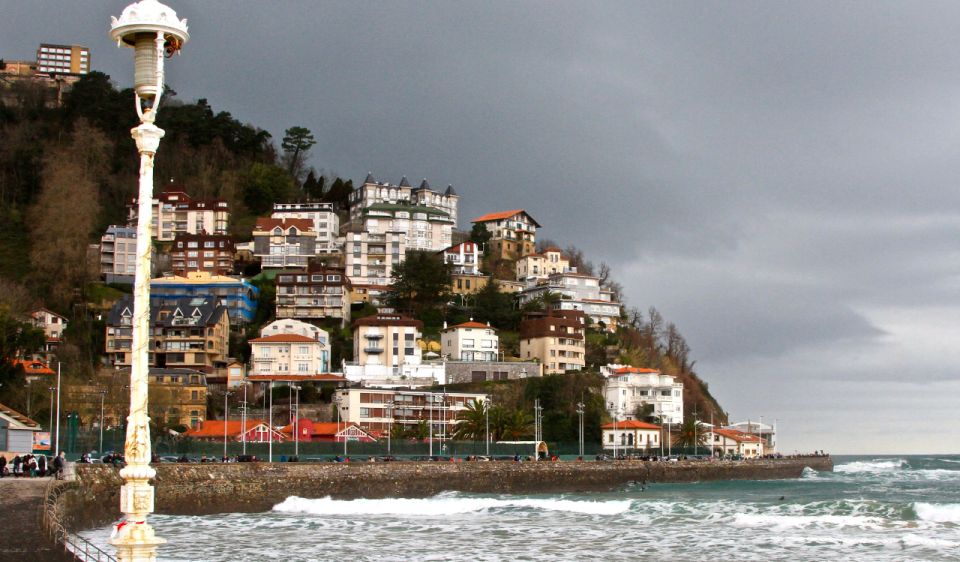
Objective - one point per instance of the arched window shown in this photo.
(278, 231)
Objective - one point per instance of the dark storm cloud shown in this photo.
(779, 179)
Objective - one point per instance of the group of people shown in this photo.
(32, 466)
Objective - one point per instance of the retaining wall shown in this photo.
(252, 487)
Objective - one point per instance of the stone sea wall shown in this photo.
(252, 487)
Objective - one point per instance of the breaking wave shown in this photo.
(872, 466)
(938, 513)
(444, 504)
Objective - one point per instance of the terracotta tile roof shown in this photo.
(497, 216)
(630, 424)
(214, 428)
(269, 223)
(472, 325)
(553, 249)
(31, 367)
(737, 435)
(283, 338)
(634, 370)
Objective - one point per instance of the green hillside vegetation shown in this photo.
(67, 173)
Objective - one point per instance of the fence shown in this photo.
(52, 524)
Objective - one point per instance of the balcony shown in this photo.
(373, 350)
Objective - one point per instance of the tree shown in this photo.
(263, 185)
(472, 422)
(313, 186)
(296, 142)
(63, 220)
(690, 435)
(422, 284)
(481, 236)
(494, 306)
(339, 193)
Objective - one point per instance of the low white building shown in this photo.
(16, 431)
(631, 436)
(627, 389)
(464, 258)
(290, 347)
(470, 341)
(728, 442)
(377, 410)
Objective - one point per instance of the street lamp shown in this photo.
(226, 421)
(296, 422)
(153, 30)
(102, 393)
(486, 412)
(389, 407)
(243, 417)
(270, 424)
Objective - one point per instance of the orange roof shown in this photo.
(634, 370)
(553, 249)
(737, 435)
(214, 428)
(497, 216)
(630, 424)
(472, 324)
(32, 367)
(280, 338)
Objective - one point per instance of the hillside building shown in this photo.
(628, 391)
(556, 339)
(326, 223)
(314, 295)
(212, 253)
(513, 234)
(238, 295)
(174, 212)
(284, 243)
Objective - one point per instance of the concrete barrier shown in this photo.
(252, 487)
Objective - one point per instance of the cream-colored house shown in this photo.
(540, 266)
(470, 341)
(290, 347)
(556, 339)
(513, 233)
(631, 435)
(724, 442)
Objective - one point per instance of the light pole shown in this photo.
(56, 450)
(486, 411)
(51, 389)
(243, 417)
(580, 412)
(389, 407)
(270, 423)
(226, 421)
(153, 30)
(430, 430)
(296, 422)
(102, 393)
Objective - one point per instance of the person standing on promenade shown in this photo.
(3, 466)
(58, 463)
(42, 465)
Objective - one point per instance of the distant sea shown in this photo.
(870, 508)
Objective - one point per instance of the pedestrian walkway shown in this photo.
(21, 535)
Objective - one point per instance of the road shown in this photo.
(21, 535)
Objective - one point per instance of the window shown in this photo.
(303, 350)
(209, 244)
(469, 343)
(303, 367)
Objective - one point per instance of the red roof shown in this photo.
(31, 367)
(504, 215)
(634, 370)
(214, 428)
(269, 223)
(630, 424)
(472, 324)
(737, 435)
(280, 338)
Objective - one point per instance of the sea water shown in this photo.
(869, 508)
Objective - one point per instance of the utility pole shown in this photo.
(580, 412)
(226, 421)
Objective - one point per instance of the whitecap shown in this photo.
(938, 512)
(876, 465)
(443, 506)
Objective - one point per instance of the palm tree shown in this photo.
(517, 424)
(472, 422)
(690, 435)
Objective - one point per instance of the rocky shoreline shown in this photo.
(201, 489)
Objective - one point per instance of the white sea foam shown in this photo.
(938, 512)
(784, 522)
(929, 542)
(809, 473)
(873, 466)
(443, 505)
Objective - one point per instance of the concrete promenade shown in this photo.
(21, 534)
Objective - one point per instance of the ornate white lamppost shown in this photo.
(154, 31)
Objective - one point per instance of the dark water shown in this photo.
(870, 508)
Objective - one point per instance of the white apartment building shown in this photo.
(290, 347)
(174, 212)
(326, 223)
(386, 352)
(377, 410)
(534, 267)
(118, 254)
(629, 436)
(627, 389)
(579, 292)
(464, 258)
(470, 341)
(373, 192)
(369, 258)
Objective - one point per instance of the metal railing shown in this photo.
(52, 523)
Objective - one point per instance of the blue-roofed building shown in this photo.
(235, 293)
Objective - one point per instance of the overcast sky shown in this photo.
(779, 179)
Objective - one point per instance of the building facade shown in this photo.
(513, 234)
(632, 436)
(578, 292)
(174, 212)
(238, 295)
(386, 352)
(118, 254)
(326, 222)
(212, 253)
(284, 243)
(378, 410)
(187, 333)
(458, 372)
(290, 347)
(317, 294)
(464, 258)
(470, 341)
(63, 59)
(556, 339)
(52, 324)
(533, 267)
(634, 393)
